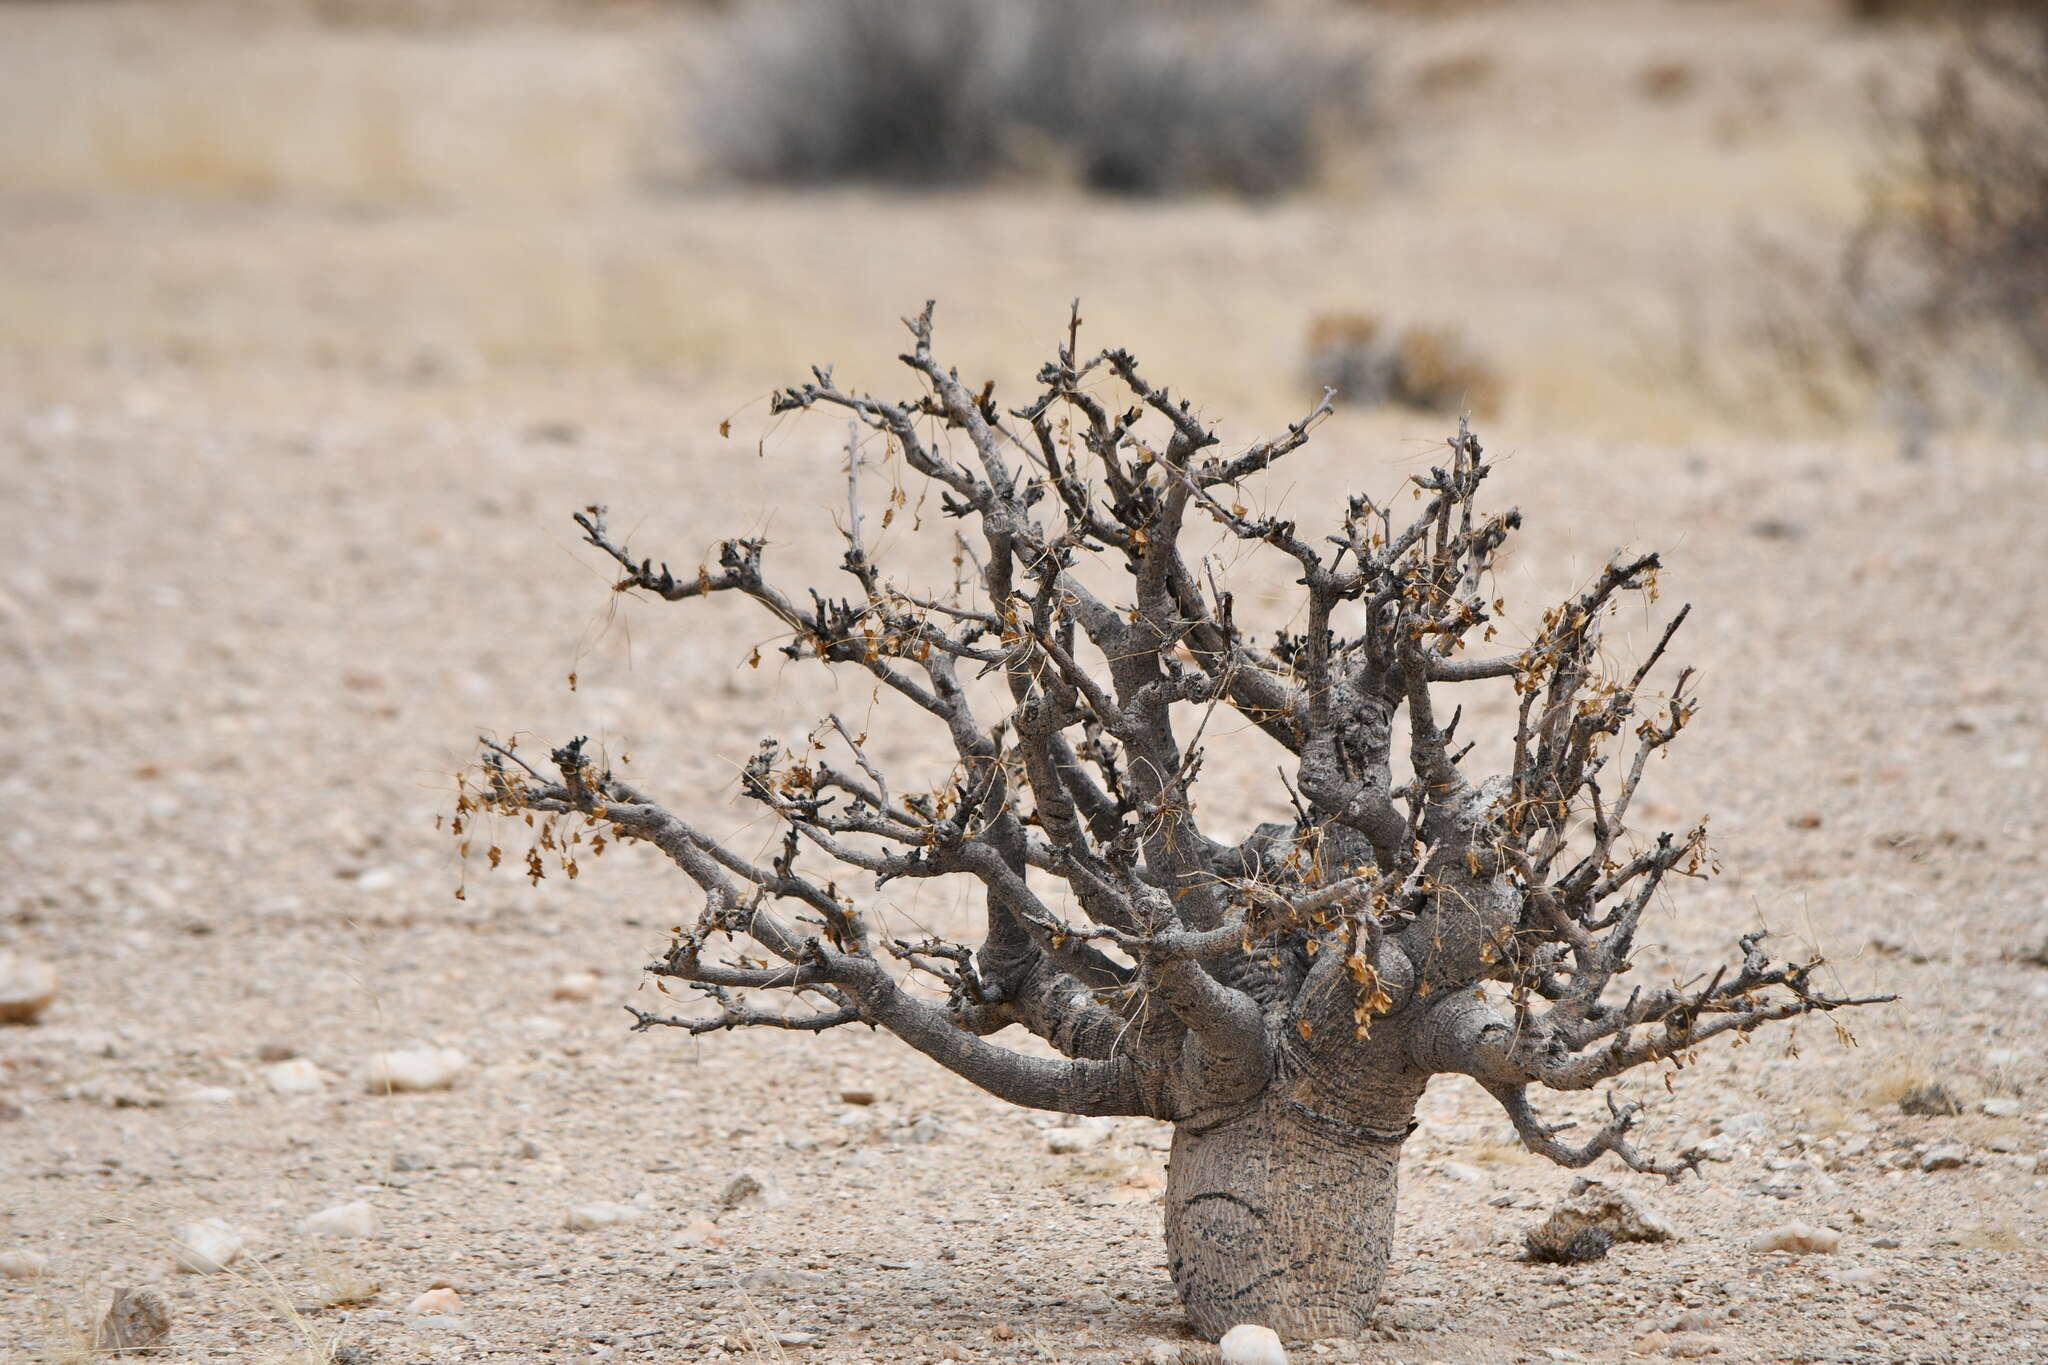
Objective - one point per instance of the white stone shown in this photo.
(343, 1220)
(298, 1076)
(1249, 1344)
(1801, 1239)
(208, 1094)
(1743, 1125)
(1464, 1174)
(591, 1217)
(2000, 1107)
(24, 1264)
(414, 1069)
(576, 986)
(442, 1302)
(206, 1247)
(27, 988)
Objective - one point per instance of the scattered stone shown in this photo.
(343, 1220)
(700, 1232)
(1932, 1100)
(922, 1131)
(795, 1338)
(1464, 1174)
(276, 1052)
(442, 1302)
(422, 1160)
(1718, 1148)
(576, 986)
(27, 988)
(1801, 1239)
(591, 1217)
(746, 1189)
(414, 1069)
(1743, 1125)
(206, 1247)
(23, 1265)
(137, 1323)
(1590, 1220)
(1249, 1344)
(1082, 1135)
(1999, 1107)
(208, 1094)
(859, 1097)
(1947, 1157)
(294, 1076)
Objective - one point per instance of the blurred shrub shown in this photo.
(1876, 11)
(1940, 296)
(1132, 96)
(1431, 369)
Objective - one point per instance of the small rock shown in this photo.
(1946, 1157)
(1801, 1239)
(795, 1338)
(745, 1189)
(206, 1247)
(591, 1217)
(859, 1097)
(294, 1076)
(414, 1069)
(23, 1265)
(922, 1131)
(137, 1323)
(208, 1094)
(1932, 1100)
(27, 988)
(1158, 1352)
(1743, 1125)
(700, 1232)
(1589, 1221)
(343, 1220)
(1464, 1174)
(420, 1160)
(576, 986)
(1999, 1107)
(276, 1052)
(1081, 1136)
(1249, 1344)
(443, 1302)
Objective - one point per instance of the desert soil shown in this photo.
(285, 515)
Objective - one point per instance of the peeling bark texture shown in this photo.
(1282, 994)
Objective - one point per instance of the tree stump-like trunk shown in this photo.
(1283, 1216)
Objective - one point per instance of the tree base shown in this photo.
(1281, 1217)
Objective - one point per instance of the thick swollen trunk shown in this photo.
(1282, 1215)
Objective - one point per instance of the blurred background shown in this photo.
(1645, 218)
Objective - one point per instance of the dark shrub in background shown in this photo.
(1130, 96)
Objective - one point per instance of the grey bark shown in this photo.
(1282, 998)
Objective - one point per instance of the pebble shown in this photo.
(752, 1191)
(343, 1220)
(1459, 1171)
(206, 1247)
(24, 1265)
(1743, 1125)
(27, 988)
(922, 1131)
(1801, 1239)
(1079, 1137)
(591, 1217)
(576, 986)
(296, 1076)
(208, 1094)
(443, 1302)
(1250, 1344)
(414, 1069)
(700, 1232)
(863, 1098)
(1999, 1107)
(1947, 1157)
(795, 1338)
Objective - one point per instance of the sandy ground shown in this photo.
(284, 495)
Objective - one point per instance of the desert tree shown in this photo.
(1281, 994)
